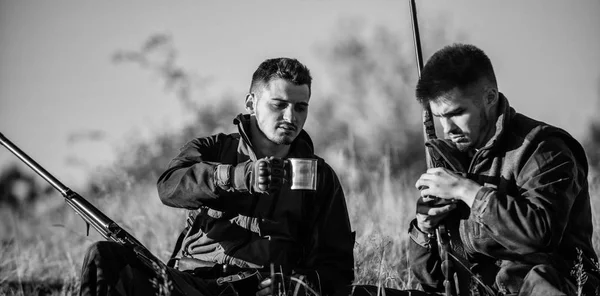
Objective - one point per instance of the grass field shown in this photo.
(43, 246)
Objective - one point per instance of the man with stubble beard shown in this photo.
(245, 221)
(523, 188)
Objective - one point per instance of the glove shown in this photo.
(269, 174)
(266, 175)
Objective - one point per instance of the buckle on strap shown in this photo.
(239, 276)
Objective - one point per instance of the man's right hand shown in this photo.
(265, 175)
(268, 174)
(430, 213)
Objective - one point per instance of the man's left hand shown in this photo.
(264, 288)
(442, 183)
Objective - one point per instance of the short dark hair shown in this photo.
(456, 65)
(285, 68)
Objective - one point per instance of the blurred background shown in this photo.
(103, 95)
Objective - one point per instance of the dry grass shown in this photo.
(45, 245)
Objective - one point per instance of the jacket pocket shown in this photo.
(471, 229)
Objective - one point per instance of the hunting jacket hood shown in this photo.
(533, 210)
(300, 230)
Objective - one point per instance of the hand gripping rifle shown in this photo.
(446, 233)
(457, 281)
(91, 215)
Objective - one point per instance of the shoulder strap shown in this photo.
(189, 221)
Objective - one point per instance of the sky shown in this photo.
(57, 78)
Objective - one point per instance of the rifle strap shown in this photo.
(444, 154)
(189, 221)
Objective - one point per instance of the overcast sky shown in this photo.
(56, 76)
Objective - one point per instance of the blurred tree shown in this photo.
(19, 189)
(592, 145)
(370, 113)
(144, 160)
(592, 142)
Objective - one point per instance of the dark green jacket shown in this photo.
(304, 231)
(534, 208)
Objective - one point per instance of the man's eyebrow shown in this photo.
(286, 101)
(450, 113)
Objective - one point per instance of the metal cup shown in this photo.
(303, 173)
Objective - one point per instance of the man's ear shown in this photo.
(250, 103)
(491, 96)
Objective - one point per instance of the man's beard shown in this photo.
(463, 147)
(278, 140)
(484, 130)
(281, 140)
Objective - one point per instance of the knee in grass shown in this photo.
(104, 250)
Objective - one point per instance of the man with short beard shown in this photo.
(524, 196)
(248, 230)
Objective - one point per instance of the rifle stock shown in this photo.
(90, 214)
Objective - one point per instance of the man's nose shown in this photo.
(448, 125)
(289, 114)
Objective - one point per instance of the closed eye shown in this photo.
(451, 113)
(279, 105)
(301, 107)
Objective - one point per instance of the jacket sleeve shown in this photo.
(534, 218)
(330, 258)
(424, 260)
(189, 181)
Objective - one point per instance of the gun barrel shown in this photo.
(416, 36)
(429, 134)
(428, 123)
(64, 190)
(90, 214)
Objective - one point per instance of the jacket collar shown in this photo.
(302, 146)
(505, 115)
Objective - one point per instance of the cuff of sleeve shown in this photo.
(480, 203)
(419, 237)
(239, 176)
(223, 176)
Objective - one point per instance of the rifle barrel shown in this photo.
(90, 214)
(428, 123)
(416, 36)
(64, 190)
(429, 134)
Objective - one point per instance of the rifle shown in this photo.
(91, 215)
(457, 281)
(446, 229)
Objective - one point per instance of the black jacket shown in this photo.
(534, 208)
(308, 232)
